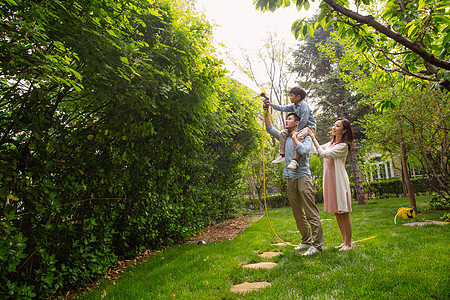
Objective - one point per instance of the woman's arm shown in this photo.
(313, 136)
(337, 151)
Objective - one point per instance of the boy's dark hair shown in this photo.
(297, 90)
(296, 117)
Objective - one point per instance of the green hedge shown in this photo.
(119, 132)
(272, 201)
(393, 187)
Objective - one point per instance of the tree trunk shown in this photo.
(405, 176)
(357, 178)
(260, 199)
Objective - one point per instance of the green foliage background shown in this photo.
(119, 132)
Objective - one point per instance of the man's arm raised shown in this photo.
(269, 128)
(267, 119)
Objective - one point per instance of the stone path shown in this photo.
(260, 265)
(269, 254)
(251, 286)
(426, 223)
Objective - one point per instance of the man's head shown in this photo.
(292, 121)
(297, 94)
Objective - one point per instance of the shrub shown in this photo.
(272, 201)
(439, 202)
(393, 187)
(118, 134)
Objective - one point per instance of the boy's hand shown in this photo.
(294, 134)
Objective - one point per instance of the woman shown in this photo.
(336, 186)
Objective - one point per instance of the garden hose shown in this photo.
(405, 213)
(264, 182)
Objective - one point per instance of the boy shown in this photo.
(298, 106)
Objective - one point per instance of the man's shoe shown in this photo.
(312, 251)
(293, 165)
(278, 159)
(302, 246)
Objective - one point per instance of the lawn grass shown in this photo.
(400, 262)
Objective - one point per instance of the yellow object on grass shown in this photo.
(405, 213)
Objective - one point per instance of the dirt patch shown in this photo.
(227, 230)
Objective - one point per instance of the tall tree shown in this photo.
(408, 37)
(417, 128)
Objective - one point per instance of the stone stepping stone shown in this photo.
(269, 254)
(249, 286)
(260, 265)
(426, 223)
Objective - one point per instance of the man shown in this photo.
(300, 189)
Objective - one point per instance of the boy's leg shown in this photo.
(283, 136)
(301, 137)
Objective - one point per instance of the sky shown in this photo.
(243, 28)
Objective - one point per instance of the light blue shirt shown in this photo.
(302, 148)
(302, 110)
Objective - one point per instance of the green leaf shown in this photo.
(112, 32)
(304, 30)
(443, 5)
(310, 29)
(421, 4)
(296, 27)
(443, 19)
(411, 29)
(446, 39)
(12, 2)
(306, 5)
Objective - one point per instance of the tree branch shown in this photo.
(400, 70)
(370, 21)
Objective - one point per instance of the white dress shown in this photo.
(340, 200)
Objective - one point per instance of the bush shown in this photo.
(118, 134)
(275, 201)
(439, 202)
(393, 187)
(272, 201)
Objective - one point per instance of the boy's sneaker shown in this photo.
(302, 246)
(312, 251)
(293, 165)
(278, 159)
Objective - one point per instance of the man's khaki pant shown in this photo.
(301, 198)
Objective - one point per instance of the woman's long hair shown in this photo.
(347, 137)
